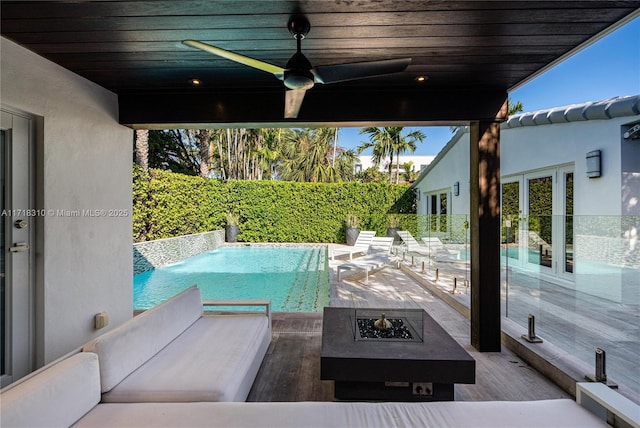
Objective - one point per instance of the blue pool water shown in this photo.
(293, 278)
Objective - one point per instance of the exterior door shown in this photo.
(548, 208)
(513, 234)
(539, 212)
(16, 247)
(439, 212)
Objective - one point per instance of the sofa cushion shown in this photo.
(127, 347)
(216, 359)
(59, 395)
(511, 414)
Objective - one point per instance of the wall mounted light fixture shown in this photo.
(456, 188)
(417, 193)
(594, 164)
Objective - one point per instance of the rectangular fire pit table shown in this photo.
(391, 369)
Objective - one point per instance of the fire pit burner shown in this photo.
(398, 329)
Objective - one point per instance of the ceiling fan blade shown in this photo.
(292, 102)
(358, 70)
(245, 60)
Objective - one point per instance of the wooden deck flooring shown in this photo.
(291, 368)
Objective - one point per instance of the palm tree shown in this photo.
(308, 155)
(409, 172)
(403, 143)
(270, 152)
(381, 142)
(389, 141)
(142, 148)
(304, 158)
(344, 162)
(204, 141)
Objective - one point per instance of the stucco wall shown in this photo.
(452, 167)
(83, 163)
(535, 147)
(530, 148)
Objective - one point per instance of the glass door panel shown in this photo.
(433, 218)
(443, 212)
(540, 210)
(511, 219)
(568, 222)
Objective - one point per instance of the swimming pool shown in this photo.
(294, 278)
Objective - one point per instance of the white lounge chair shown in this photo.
(382, 244)
(365, 264)
(361, 245)
(378, 258)
(439, 251)
(412, 246)
(434, 248)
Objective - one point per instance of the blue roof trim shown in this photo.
(594, 110)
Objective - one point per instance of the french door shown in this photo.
(16, 247)
(538, 220)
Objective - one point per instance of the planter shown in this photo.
(392, 233)
(231, 233)
(352, 235)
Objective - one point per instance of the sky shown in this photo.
(608, 68)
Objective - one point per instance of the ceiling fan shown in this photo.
(299, 75)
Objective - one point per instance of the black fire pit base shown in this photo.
(394, 391)
(391, 369)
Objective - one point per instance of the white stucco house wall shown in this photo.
(77, 174)
(594, 217)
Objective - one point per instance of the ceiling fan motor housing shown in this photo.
(297, 74)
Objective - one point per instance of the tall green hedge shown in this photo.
(166, 204)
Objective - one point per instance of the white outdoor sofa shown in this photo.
(68, 393)
(175, 366)
(174, 352)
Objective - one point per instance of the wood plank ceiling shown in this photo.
(471, 52)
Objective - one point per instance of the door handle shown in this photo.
(19, 247)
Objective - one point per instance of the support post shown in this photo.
(484, 146)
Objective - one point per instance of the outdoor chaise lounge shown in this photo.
(440, 252)
(377, 258)
(434, 248)
(411, 245)
(361, 245)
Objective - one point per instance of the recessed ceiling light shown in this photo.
(195, 82)
(421, 78)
